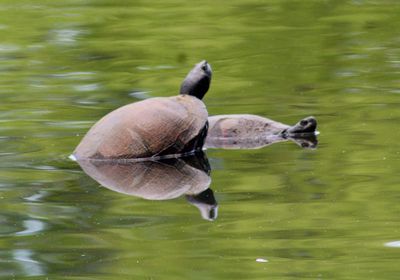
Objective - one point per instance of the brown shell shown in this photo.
(144, 129)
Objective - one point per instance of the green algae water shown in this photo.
(282, 212)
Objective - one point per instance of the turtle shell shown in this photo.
(153, 127)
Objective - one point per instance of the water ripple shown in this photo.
(393, 244)
(31, 227)
(9, 48)
(87, 87)
(74, 75)
(65, 36)
(140, 94)
(36, 196)
(28, 264)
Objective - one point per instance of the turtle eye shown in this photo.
(303, 122)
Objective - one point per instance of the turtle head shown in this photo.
(306, 125)
(198, 80)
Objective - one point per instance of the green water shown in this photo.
(328, 213)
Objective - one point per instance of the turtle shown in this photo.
(246, 131)
(155, 127)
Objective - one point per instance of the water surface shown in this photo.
(284, 212)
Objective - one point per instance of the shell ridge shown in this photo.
(143, 143)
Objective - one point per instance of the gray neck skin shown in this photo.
(198, 80)
(195, 86)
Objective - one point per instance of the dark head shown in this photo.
(198, 80)
(306, 125)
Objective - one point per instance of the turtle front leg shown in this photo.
(197, 143)
(201, 138)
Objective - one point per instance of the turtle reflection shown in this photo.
(158, 180)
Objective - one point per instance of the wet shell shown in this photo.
(156, 126)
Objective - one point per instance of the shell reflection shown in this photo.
(158, 180)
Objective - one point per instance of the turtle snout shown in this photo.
(206, 67)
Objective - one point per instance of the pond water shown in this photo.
(283, 212)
